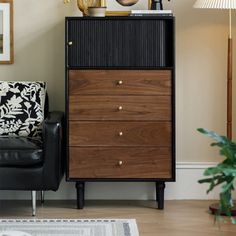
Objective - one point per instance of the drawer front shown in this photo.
(135, 162)
(119, 133)
(120, 108)
(117, 82)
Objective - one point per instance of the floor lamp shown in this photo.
(229, 5)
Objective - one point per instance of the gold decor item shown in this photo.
(120, 163)
(117, 13)
(83, 5)
(103, 3)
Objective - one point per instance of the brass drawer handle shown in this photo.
(120, 82)
(120, 108)
(120, 163)
(120, 133)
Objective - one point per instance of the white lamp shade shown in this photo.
(216, 4)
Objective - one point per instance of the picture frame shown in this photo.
(6, 32)
(126, 13)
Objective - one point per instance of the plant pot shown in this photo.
(215, 207)
(97, 11)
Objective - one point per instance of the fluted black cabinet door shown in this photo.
(120, 42)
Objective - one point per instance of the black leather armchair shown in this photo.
(34, 165)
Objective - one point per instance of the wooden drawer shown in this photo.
(119, 133)
(117, 82)
(120, 108)
(135, 162)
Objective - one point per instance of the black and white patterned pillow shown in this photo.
(22, 108)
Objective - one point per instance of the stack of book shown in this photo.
(151, 13)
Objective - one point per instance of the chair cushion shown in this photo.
(22, 108)
(20, 151)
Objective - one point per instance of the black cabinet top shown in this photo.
(120, 18)
(120, 42)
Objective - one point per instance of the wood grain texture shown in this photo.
(229, 88)
(180, 218)
(108, 133)
(119, 108)
(134, 82)
(95, 162)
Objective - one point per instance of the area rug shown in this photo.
(68, 227)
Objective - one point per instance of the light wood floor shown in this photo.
(180, 218)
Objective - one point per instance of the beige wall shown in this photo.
(201, 53)
(1, 25)
(201, 44)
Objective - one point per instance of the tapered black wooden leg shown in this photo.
(80, 194)
(160, 187)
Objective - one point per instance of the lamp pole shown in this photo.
(229, 79)
(229, 5)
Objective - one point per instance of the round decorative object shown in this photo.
(83, 5)
(97, 11)
(127, 2)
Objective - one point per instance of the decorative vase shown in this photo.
(83, 5)
(127, 2)
(97, 11)
(156, 5)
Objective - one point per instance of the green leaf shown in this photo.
(227, 152)
(217, 144)
(215, 136)
(212, 171)
(202, 181)
(219, 181)
(227, 187)
(226, 202)
(229, 172)
(224, 173)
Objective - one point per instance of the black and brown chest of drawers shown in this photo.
(120, 101)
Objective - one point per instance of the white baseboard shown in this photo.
(185, 187)
(194, 165)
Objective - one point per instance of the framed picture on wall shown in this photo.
(123, 7)
(6, 32)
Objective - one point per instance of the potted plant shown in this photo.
(223, 174)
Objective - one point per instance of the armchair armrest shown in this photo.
(54, 117)
(53, 146)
